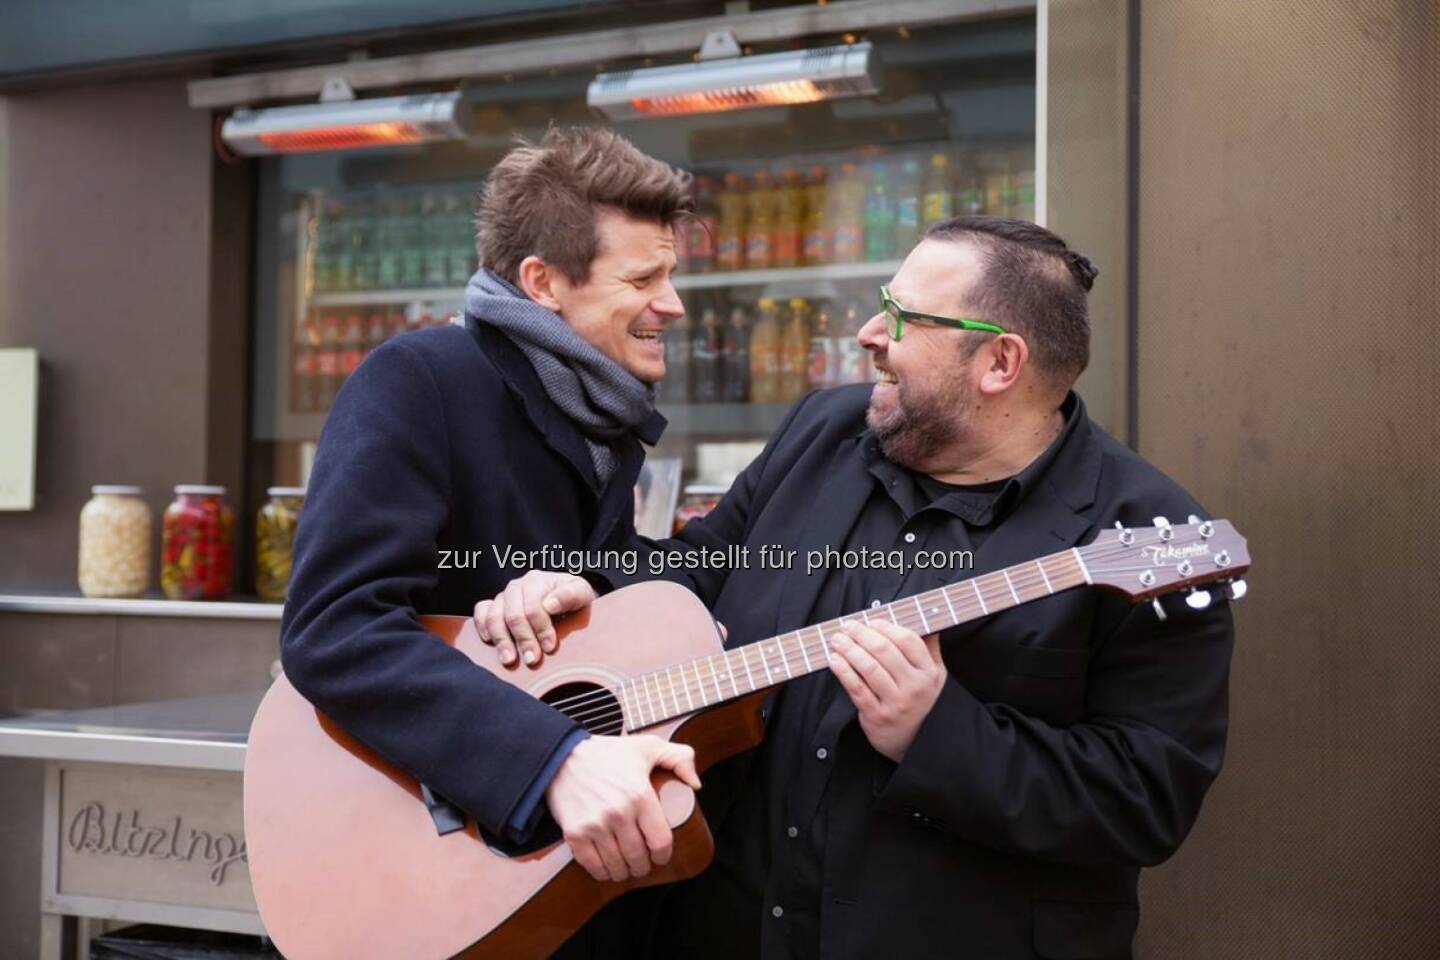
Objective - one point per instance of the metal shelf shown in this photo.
(723, 419)
(683, 281)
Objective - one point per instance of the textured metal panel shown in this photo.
(1288, 356)
(1087, 178)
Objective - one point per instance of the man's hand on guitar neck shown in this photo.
(603, 800)
(520, 621)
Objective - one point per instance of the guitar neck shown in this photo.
(685, 688)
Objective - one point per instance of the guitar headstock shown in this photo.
(1146, 562)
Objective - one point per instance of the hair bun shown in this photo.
(1085, 271)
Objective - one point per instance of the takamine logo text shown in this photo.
(1165, 553)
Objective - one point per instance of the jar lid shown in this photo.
(199, 489)
(706, 488)
(117, 490)
(284, 491)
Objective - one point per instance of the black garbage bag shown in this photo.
(153, 942)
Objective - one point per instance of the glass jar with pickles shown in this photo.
(114, 542)
(275, 542)
(198, 531)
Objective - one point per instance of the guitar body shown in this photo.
(346, 861)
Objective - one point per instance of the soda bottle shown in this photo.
(387, 250)
(730, 235)
(363, 248)
(675, 388)
(1022, 168)
(461, 241)
(789, 219)
(795, 352)
(376, 333)
(848, 219)
(822, 362)
(765, 355)
(352, 345)
(937, 203)
(735, 356)
(327, 362)
(907, 207)
(703, 229)
(409, 237)
(705, 347)
(817, 241)
(436, 252)
(879, 215)
(851, 360)
(327, 227)
(970, 198)
(302, 381)
(760, 224)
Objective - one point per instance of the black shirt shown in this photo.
(914, 534)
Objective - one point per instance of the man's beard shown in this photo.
(915, 429)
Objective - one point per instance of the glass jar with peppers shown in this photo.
(197, 538)
(275, 542)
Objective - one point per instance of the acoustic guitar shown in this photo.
(351, 858)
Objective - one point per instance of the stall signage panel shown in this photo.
(153, 834)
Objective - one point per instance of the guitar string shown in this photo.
(664, 680)
(1023, 581)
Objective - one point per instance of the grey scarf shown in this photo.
(603, 398)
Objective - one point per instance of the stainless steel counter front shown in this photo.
(201, 733)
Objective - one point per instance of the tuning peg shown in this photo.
(1197, 599)
(1160, 522)
(1236, 589)
(1160, 613)
(1127, 536)
(1163, 526)
(1192, 519)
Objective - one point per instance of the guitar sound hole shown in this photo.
(592, 706)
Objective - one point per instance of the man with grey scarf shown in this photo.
(522, 428)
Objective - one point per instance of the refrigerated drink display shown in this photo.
(327, 363)
(848, 220)
(735, 356)
(789, 219)
(675, 388)
(1022, 166)
(325, 242)
(376, 332)
(409, 236)
(304, 369)
(705, 347)
(730, 235)
(937, 199)
(795, 352)
(823, 358)
(879, 214)
(907, 207)
(760, 222)
(765, 355)
(387, 254)
(816, 241)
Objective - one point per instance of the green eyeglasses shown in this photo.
(896, 317)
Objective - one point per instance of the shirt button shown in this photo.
(822, 753)
(777, 911)
(909, 538)
(874, 604)
(792, 832)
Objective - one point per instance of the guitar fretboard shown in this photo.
(684, 688)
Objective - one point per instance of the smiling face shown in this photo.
(924, 395)
(622, 310)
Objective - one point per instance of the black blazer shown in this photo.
(1072, 744)
(441, 446)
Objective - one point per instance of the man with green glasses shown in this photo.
(992, 791)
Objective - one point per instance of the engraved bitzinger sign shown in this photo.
(153, 834)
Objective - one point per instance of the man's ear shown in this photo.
(537, 281)
(1005, 358)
